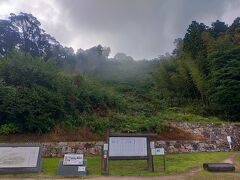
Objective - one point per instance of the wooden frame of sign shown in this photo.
(140, 144)
(24, 158)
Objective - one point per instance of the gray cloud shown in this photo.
(140, 28)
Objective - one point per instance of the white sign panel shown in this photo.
(81, 168)
(18, 157)
(159, 151)
(153, 151)
(105, 147)
(127, 146)
(73, 159)
(152, 144)
(229, 139)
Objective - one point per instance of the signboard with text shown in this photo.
(15, 158)
(159, 151)
(127, 146)
(73, 159)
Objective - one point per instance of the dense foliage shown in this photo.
(44, 85)
(205, 70)
(35, 96)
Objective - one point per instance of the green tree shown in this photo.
(8, 37)
(218, 28)
(193, 42)
(224, 83)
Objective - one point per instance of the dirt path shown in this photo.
(232, 160)
(183, 176)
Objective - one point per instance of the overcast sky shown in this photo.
(140, 28)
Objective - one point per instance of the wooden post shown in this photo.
(164, 163)
(150, 157)
(104, 160)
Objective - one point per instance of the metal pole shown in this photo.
(150, 157)
(104, 164)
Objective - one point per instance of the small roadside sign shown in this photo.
(152, 145)
(159, 151)
(105, 147)
(73, 159)
(229, 141)
(153, 151)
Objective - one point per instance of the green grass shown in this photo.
(206, 175)
(188, 117)
(175, 163)
(238, 158)
(50, 166)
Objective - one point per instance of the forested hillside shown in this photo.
(204, 70)
(44, 85)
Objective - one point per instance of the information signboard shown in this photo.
(73, 159)
(159, 151)
(127, 146)
(16, 158)
(72, 170)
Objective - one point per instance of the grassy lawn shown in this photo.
(188, 117)
(217, 175)
(238, 158)
(220, 176)
(175, 163)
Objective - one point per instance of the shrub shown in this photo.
(9, 128)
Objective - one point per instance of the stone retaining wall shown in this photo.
(61, 148)
(215, 136)
(94, 148)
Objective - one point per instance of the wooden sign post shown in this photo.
(158, 152)
(104, 158)
(150, 157)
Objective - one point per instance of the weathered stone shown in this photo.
(214, 135)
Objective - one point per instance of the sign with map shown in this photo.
(19, 157)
